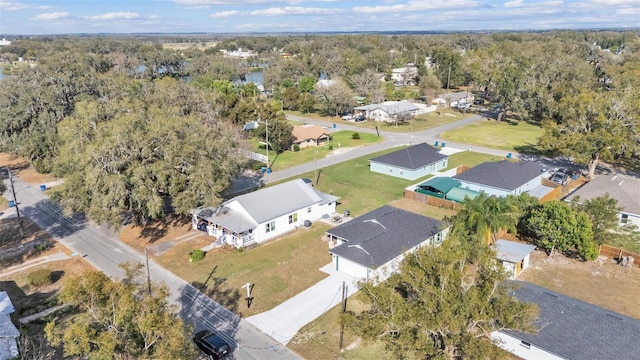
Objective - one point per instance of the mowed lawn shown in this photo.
(419, 123)
(289, 158)
(279, 269)
(511, 136)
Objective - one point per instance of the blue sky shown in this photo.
(232, 16)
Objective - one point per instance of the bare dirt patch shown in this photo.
(601, 282)
(15, 249)
(23, 170)
(168, 229)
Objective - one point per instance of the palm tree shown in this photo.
(483, 216)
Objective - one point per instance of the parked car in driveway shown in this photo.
(347, 117)
(212, 344)
(560, 177)
(463, 106)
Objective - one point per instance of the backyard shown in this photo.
(516, 136)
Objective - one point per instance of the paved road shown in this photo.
(102, 249)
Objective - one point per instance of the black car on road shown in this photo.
(212, 344)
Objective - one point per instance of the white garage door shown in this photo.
(349, 267)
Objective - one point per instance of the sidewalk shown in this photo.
(35, 262)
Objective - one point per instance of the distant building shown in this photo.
(239, 53)
(4, 42)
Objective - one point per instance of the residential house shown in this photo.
(389, 111)
(410, 163)
(514, 256)
(372, 246)
(568, 328)
(453, 98)
(309, 135)
(8, 331)
(625, 189)
(262, 215)
(504, 178)
(405, 75)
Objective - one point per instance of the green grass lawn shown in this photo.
(470, 159)
(279, 269)
(421, 122)
(289, 158)
(511, 136)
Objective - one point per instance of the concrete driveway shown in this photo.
(284, 321)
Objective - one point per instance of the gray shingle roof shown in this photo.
(574, 329)
(505, 175)
(623, 188)
(413, 157)
(266, 204)
(375, 238)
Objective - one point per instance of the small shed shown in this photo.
(514, 256)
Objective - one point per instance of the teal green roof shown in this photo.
(443, 184)
(459, 194)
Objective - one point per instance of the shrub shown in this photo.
(39, 277)
(330, 147)
(196, 255)
(355, 136)
(296, 147)
(42, 246)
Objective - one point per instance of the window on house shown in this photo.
(624, 218)
(293, 218)
(309, 209)
(270, 226)
(390, 169)
(401, 172)
(525, 344)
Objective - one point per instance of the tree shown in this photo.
(280, 130)
(561, 228)
(483, 216)
(442, 306)
(603, 213)
(334, 99)
(592, 126)
(119, 319)
(307, 84)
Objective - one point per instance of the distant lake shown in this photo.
(1, 74)
(256, 77)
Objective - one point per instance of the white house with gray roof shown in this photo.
(410, 163)
(625, 189)
(372, 246)
(568, 328)
(504, 178)
(264, 214)
(389, 111)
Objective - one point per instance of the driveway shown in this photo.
(284, 321)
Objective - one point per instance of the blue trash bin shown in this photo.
(334, 126)
(43, 187)
(268, 170)
(509, 156)
(436, 144)
(444, 144)
(12, 203)
(263, 169)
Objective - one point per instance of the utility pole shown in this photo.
(15, 203)
(315, 167)
(344, 309)
(249, 298)
(146, 255)
(267, 122)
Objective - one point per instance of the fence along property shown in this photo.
(618, 254)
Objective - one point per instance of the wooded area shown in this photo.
(138, 130)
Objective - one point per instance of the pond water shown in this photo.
(256, 77)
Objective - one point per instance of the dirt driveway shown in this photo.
(600, 282)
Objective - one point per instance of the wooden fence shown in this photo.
(617, 254)
(431, 200)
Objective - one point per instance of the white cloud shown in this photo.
(295, 10)
(515, 3)
(613, 2)
(116, 16)
(417, 5)
(202, 3)
(222, 14)
(534, 4)
(52, 16)
(13, 6)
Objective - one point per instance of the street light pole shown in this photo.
(267, 122)
(315, 166)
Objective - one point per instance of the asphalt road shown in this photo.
(101, 248)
